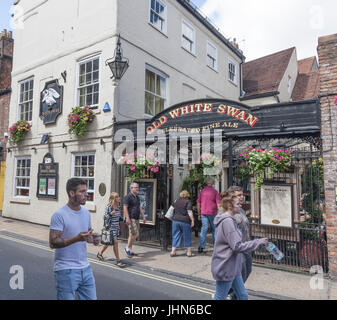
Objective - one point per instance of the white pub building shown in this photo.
(174, 55)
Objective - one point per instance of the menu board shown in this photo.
(276, 205)
(47, 180)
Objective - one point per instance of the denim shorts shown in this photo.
(71, 282)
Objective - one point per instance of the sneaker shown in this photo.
(200, 250)
(128, 253)
(133, 254)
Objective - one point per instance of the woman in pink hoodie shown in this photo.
(227, 257)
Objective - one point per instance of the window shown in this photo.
(155, 91)
(88, 82)
(232, 71)
(212, 56)
(22, 177)
(188, 37)
(26, 99)
(84, 168)
(158, 15)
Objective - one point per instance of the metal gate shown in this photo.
(305, 244)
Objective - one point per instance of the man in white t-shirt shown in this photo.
(70, 230)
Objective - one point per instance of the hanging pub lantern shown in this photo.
(118, 64)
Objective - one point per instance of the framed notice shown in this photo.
(47, 179)
(276, 205)
(148, 198)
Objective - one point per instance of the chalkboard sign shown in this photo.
(148, 196)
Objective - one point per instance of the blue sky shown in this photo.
(5, 6)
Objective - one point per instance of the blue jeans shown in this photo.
(223, 287)
(206, 220)
(71, 281)
(180, 229)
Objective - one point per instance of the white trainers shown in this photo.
(128, 252)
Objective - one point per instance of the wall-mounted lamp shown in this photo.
(102, 142)
(9, 150)
(64, 145)
(118, 64)
(34, 149)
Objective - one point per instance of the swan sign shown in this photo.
(51, 102)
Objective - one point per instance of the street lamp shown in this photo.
(118, 64)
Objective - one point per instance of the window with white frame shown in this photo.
(158, 15)
(155, 91)
(88, 82)
(188, 37)
(84, 167)
(22, 177)
(26, 99)
(232, 71)
(212, 56)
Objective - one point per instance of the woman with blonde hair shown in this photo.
(182, 224)
(112, 217)
(226, 260)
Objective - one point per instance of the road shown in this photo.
(35, 261)
(112, 283)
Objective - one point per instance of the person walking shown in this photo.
(112, 218)
(70, 229)
(207, 205)
(182, 224)
(132, 211)
(226, 263)
(243, 225)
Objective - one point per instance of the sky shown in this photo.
(263, 27)
(260, 27)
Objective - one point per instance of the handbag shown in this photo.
(106, 236)
(169, 213)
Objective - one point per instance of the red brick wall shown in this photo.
(6, 54)
(327, 54)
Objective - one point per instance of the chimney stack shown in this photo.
(6, 43)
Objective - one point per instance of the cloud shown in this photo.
(262, 27)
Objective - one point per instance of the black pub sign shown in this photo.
(51, 102)
(47, 180)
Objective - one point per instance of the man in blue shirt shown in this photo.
(70, 229)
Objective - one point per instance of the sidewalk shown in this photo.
(269, 283)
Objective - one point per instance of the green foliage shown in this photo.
(18, 130)
(78, 120)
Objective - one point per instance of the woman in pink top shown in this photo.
(207, 204)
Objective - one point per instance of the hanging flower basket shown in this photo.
(269, 161)
(139, 165)
(18, 130)
(78, 120)
(209, 165)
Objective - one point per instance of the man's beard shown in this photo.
(77, 200)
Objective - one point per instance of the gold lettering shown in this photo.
(175, 113)
(222, 108)
(232, 111)
(251, 120)
(241, 116)
(208, 108)
(184, 110)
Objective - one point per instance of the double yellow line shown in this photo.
(128, 270)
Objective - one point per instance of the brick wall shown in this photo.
(6, 57)
(327, 54)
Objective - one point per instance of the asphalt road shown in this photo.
(35, 260)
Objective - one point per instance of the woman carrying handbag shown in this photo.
(112, 218)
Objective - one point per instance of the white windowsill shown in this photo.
(90, 206)
(20, 200)
(160, 31)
